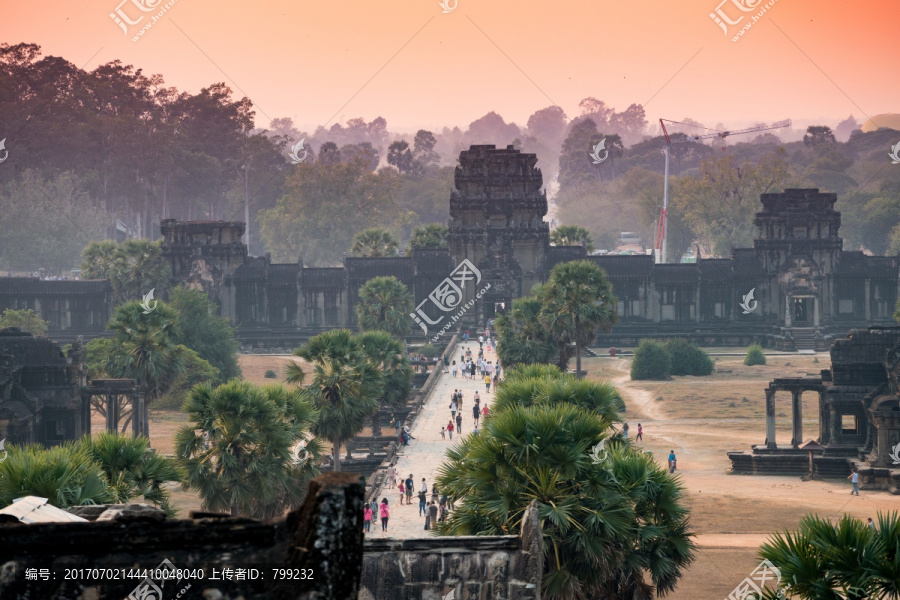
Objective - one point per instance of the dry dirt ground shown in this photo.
(702, 418)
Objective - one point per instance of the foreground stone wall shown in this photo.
(318, 548)
(468, 567)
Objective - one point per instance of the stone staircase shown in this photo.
(804, 338)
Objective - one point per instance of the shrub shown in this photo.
(651, 361)
(688, 359)
(270, 374)
(755, 355)
(429, 350)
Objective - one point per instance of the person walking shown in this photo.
(392, 475)
(476, 414)
(453, 408)
(422, 500)
(466, 336)
(450, 428)
(385, 513)
(434, 493)
(484, 411)
(625, 430)
(367, 518)
(475, 430)
(673, 462)
(374, 507)
(854, 479)
(402, 488)
(487, 383)
(443, 433)
(453, 369)
(472, 369)
(640, 435)
(459, 424)
(431, 519)
(870, 523)
(410, 484)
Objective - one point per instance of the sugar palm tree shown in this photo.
(577, 300)
(131, 468)
(65, 475)
(237, 449)
(387, 354)
(572, 235)
(374, 242)
(601, 398)
(606, 527)
(345, 386)
(843, 560)
(521, 338)
(384, 304)
(427, 236)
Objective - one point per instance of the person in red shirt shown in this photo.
(450, 428)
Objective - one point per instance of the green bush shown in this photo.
(270, 374)
(688, 358)
(651, 361)
(755, 355)
(429, 350)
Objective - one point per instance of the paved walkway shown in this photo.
(426, 452)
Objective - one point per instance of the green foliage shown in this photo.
(600, 398)
(133, 268)
(25, 319)
(132, 469)
(576, 302)
(427, 236)
(387, 354)
(237, 448)
(46, 219)
(345, 387)
(323, 205)
(270, 374)
(651, 361)
(572, 235)
(755, 355)
(688, 358)
(532, 370)
(374, 242)
(65, 475)
(522, 340)
(606, 527)
(847, 559)
(384, 304)
(428, 350)
(201, 330)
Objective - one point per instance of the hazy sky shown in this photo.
(331, 60)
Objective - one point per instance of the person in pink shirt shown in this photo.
(484, 411)
(367, 518)
(385, 513)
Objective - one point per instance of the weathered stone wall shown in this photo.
(475, 567)
(322, 541)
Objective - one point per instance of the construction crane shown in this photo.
(662, 228)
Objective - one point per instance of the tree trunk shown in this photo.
(336, 454)
(577, 361)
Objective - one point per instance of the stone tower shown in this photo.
(496, 221)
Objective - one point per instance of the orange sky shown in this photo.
(809, 60)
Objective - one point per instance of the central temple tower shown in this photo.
(497, 222)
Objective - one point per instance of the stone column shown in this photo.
(796, 418)
(824, 431)
(137, 413)
(816, 311)
(770, 419)
(85, 413)
(787, 311)
(835, 423)
(112, 412)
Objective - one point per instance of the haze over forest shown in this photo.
(139, 134)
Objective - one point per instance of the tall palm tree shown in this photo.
(843, 560)
(606, 526)
(345, 386)
(374, 242)
(521, 338)
(384, 304)
(577, 300)
(601, 398)
(237, 449)
(144, 348)
(387, 354)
